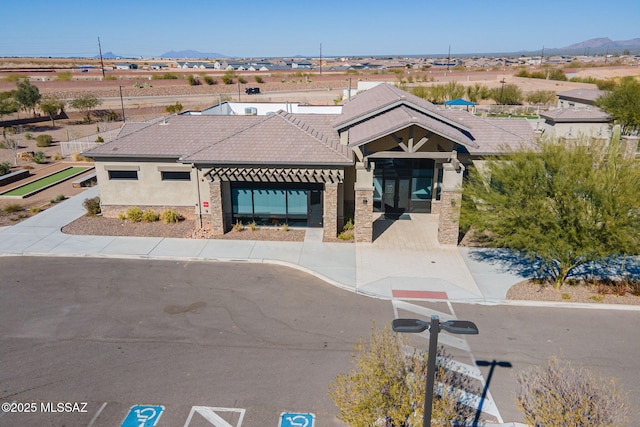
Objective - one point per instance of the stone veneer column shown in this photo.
(629, 146)
(363, 209)
(450, 203)
(330, 211)
(217, 211)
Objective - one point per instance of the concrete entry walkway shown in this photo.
(405, 260)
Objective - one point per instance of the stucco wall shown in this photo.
(149, 189)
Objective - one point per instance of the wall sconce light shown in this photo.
(364, 201)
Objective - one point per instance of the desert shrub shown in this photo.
(13, 208)
(39, 157)
(58, 198)
(347, 231)
(285, 227)
(44, 140)
(28, 136)
(253, 226)
(135, 214)
(209, 80)
(99, 139)
(561, 394)
(64, 76)
(122, 216)
(56, 157)
(170, 216)
(150, 216)
(193, 80)
(259, 79)
(387, 383)
(5, 168)
(34, 210)
(165, 76)
(77, 157)
(92, 206)
(238, 226)
(242, 80)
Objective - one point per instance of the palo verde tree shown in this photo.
(562, 205)
(623, 104)
(51, 106)
(387, 384)
(27, 95)
(8, 104)
(86, 104)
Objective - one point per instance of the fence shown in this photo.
(69, 148)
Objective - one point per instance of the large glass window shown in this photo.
(270, 205)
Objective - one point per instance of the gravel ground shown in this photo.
(582, 293)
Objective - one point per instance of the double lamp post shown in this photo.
(434, 327)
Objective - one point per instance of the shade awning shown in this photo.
(459, 102)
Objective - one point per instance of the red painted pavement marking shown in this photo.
(419, 294)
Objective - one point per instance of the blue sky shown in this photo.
(285, 28)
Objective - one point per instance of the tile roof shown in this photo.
(399, 118)
(571, 115)
(380, 98)
(175, 137)
(278, 139)
(495, 135)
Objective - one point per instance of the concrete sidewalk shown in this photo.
(405, 261)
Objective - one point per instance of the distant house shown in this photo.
(158, 66)
(126, 66)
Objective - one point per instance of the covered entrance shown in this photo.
(404, 186)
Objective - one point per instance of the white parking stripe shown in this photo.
(209, 414)
(95, 417)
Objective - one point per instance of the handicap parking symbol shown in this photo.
(142, 416)
(288, 419)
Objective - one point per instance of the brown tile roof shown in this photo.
(383, 97)
(402, 117)
(495, 135)
(278, 139)
(173, 138)
(582, 94)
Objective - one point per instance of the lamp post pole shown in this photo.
(434, 329)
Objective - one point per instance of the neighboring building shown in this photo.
(385, 152)
(577, 115)
(126, 66)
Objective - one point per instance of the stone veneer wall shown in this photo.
(363, 216)
(449, 220)
(330, 214)
(114, 211)
(217, 218)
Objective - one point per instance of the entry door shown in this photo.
(395, 196)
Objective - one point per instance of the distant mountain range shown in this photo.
(597, 46)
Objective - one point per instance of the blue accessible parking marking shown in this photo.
(142, 416)
(288, 419)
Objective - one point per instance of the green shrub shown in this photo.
(13, 208)
(44, 140)
(28, 136)
(39, 157)
(99, 139)
(58, 198)
(5, 168)
(259, 79)
(193, 80)
(560, 394)
(92, 206)
(170, 216)
(253, 226)
(150, 216)
(64, 76)
(347, 232)
(209, 80)
(165, 76)
(135, 214)
(238, 226)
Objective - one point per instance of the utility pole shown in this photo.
(101, 61)
(449, 58)
(124, 119)
(542, 57)
(320, 58)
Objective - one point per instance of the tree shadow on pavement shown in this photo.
(508, 261)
